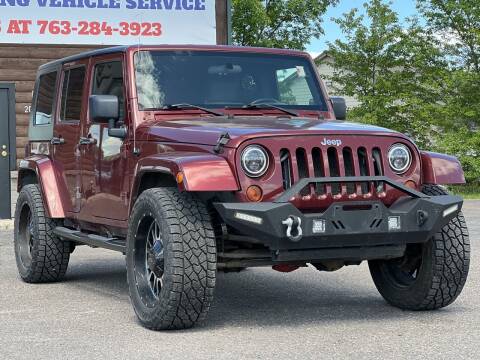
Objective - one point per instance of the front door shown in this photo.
(7, 146)
(104, 160)
(71, 109)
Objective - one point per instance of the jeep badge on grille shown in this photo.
(335, 142)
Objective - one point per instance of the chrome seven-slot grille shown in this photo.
(334, 161)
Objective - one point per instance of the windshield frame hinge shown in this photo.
(221, 142)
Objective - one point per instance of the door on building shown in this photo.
(7, 146)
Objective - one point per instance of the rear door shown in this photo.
(71, 109)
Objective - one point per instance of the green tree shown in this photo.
(394, 71)
(420, 80)
(278, 23)
(457, 22)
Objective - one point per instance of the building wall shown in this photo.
(18, 65)
(325, 69)
(301, 91)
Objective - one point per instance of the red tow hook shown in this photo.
(285, 268)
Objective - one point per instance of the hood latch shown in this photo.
(221, 142)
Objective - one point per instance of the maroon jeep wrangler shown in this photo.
(192, 159)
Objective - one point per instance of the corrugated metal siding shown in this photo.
(19, 64)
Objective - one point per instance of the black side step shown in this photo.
(92, 240)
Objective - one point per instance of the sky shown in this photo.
(404, 9)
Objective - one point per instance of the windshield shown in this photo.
(225, 79)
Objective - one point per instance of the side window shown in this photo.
(72, 94)
(45, 96)
(108, 80)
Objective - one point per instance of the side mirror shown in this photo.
(103, 108)
(339, 107)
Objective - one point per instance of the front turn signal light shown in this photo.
(254, 193)
(179, 177)
(411, 184)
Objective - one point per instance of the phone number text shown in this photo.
(87, 28)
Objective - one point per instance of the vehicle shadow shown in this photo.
(99, 275)
(264, 298)
(261, 297)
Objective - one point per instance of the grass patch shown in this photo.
(466, 191)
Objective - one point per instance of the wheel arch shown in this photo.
(40, 169)
(199, 172)
(26, 177)
(441, 169)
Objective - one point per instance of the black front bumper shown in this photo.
(353, 225)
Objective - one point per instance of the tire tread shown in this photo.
(447, 270)
(193, 248)
(452, 259)
(51, 254)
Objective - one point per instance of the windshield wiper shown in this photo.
(190, 106)
(264, 106)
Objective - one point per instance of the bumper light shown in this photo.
(318, 226)
(249, 218)
(450, 210)
(394, 223)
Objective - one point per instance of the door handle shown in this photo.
(57, 141)
(87, 141)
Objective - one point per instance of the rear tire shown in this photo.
(171, 259)
(430, 275)
(41, 256)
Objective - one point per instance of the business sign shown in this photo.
(111, 22)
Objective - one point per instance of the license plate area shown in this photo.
(347, 218)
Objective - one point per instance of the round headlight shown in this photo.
(399, 158)
(254, 161)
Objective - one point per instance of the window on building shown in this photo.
(72, 94)
(108, 80)
(45, 96)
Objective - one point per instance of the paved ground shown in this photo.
(256, 314)
(8, 224)
(13, 189)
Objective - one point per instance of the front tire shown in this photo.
(171, 259)
(430, 275)
(41, 256)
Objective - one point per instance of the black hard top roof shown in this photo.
(124, 48)
(83, 55)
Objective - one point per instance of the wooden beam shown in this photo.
(222, 20)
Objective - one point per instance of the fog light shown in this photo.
(254, 193)
(394, 223)
(318, 226)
